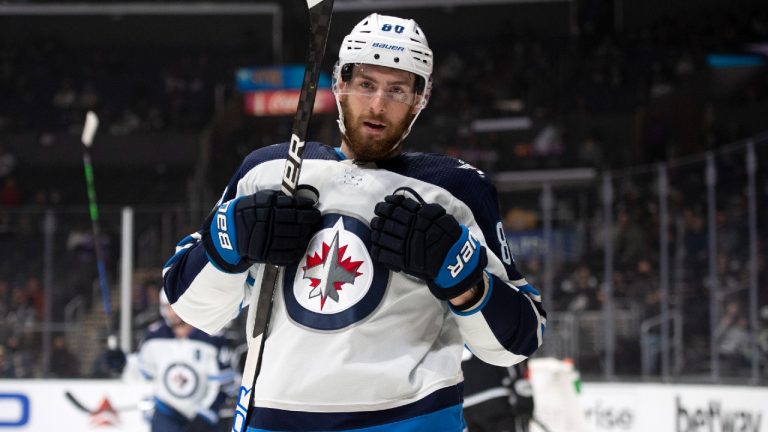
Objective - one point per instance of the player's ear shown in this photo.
(417, 104)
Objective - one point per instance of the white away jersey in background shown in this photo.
(351, 345)
(189, 375)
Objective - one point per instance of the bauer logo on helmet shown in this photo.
(387, 46)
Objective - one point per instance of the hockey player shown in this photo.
(496, 399)
(399, 263)
(190, 371)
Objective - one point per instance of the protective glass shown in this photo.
(362, 85)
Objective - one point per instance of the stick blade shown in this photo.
(89, 130)
(77, 403)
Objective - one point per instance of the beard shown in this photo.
(365, 147)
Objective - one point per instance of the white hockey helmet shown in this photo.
(389, 41)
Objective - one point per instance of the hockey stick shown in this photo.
(79, 405)
(89, 130)
(117, 358)
(142, 406)
(319, 25)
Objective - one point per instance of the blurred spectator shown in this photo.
(35, 296)
(10, 196)
(591, 152)
(64, 364)
(23, 354)
(5, 296)
(21, 312)
(549, 141)
(631, 244)
(644, 291)
(65, 96)
(581, 291)
(695, 238)
(7, 162)
(644, 287)
(6, 364)
(733, 338)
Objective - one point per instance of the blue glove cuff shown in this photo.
(461, 261)
(223, 234)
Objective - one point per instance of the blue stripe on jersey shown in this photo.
(441, 401)
(505, 302)
(446, 420)
(463, 182)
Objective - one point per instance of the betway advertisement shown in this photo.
(674, 408)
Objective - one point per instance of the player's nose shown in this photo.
(377, 103)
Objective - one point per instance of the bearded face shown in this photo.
(372, 136)
(377, 104)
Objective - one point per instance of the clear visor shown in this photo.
(399, 88)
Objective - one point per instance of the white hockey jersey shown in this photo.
(189, 375)
(378, 350)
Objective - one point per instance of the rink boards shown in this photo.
(634, 407)
(42, 405)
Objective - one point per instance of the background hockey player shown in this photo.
(496, 399)
(398, 263)
(190, 371)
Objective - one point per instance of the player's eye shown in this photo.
(367, 86)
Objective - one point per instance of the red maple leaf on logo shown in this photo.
(342, 267)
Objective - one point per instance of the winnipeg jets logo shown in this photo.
(329, 272)
(180, 380)
(336, 284)
(333, 264)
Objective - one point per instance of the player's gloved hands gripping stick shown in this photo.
(422, 240)
(266, 227)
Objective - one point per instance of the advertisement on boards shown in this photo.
(73, 405)
(674, 408)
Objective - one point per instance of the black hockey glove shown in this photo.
(424, 241)
(266, 227)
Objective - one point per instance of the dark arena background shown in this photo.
(628, 141)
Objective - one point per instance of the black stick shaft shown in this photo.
(319, 25)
